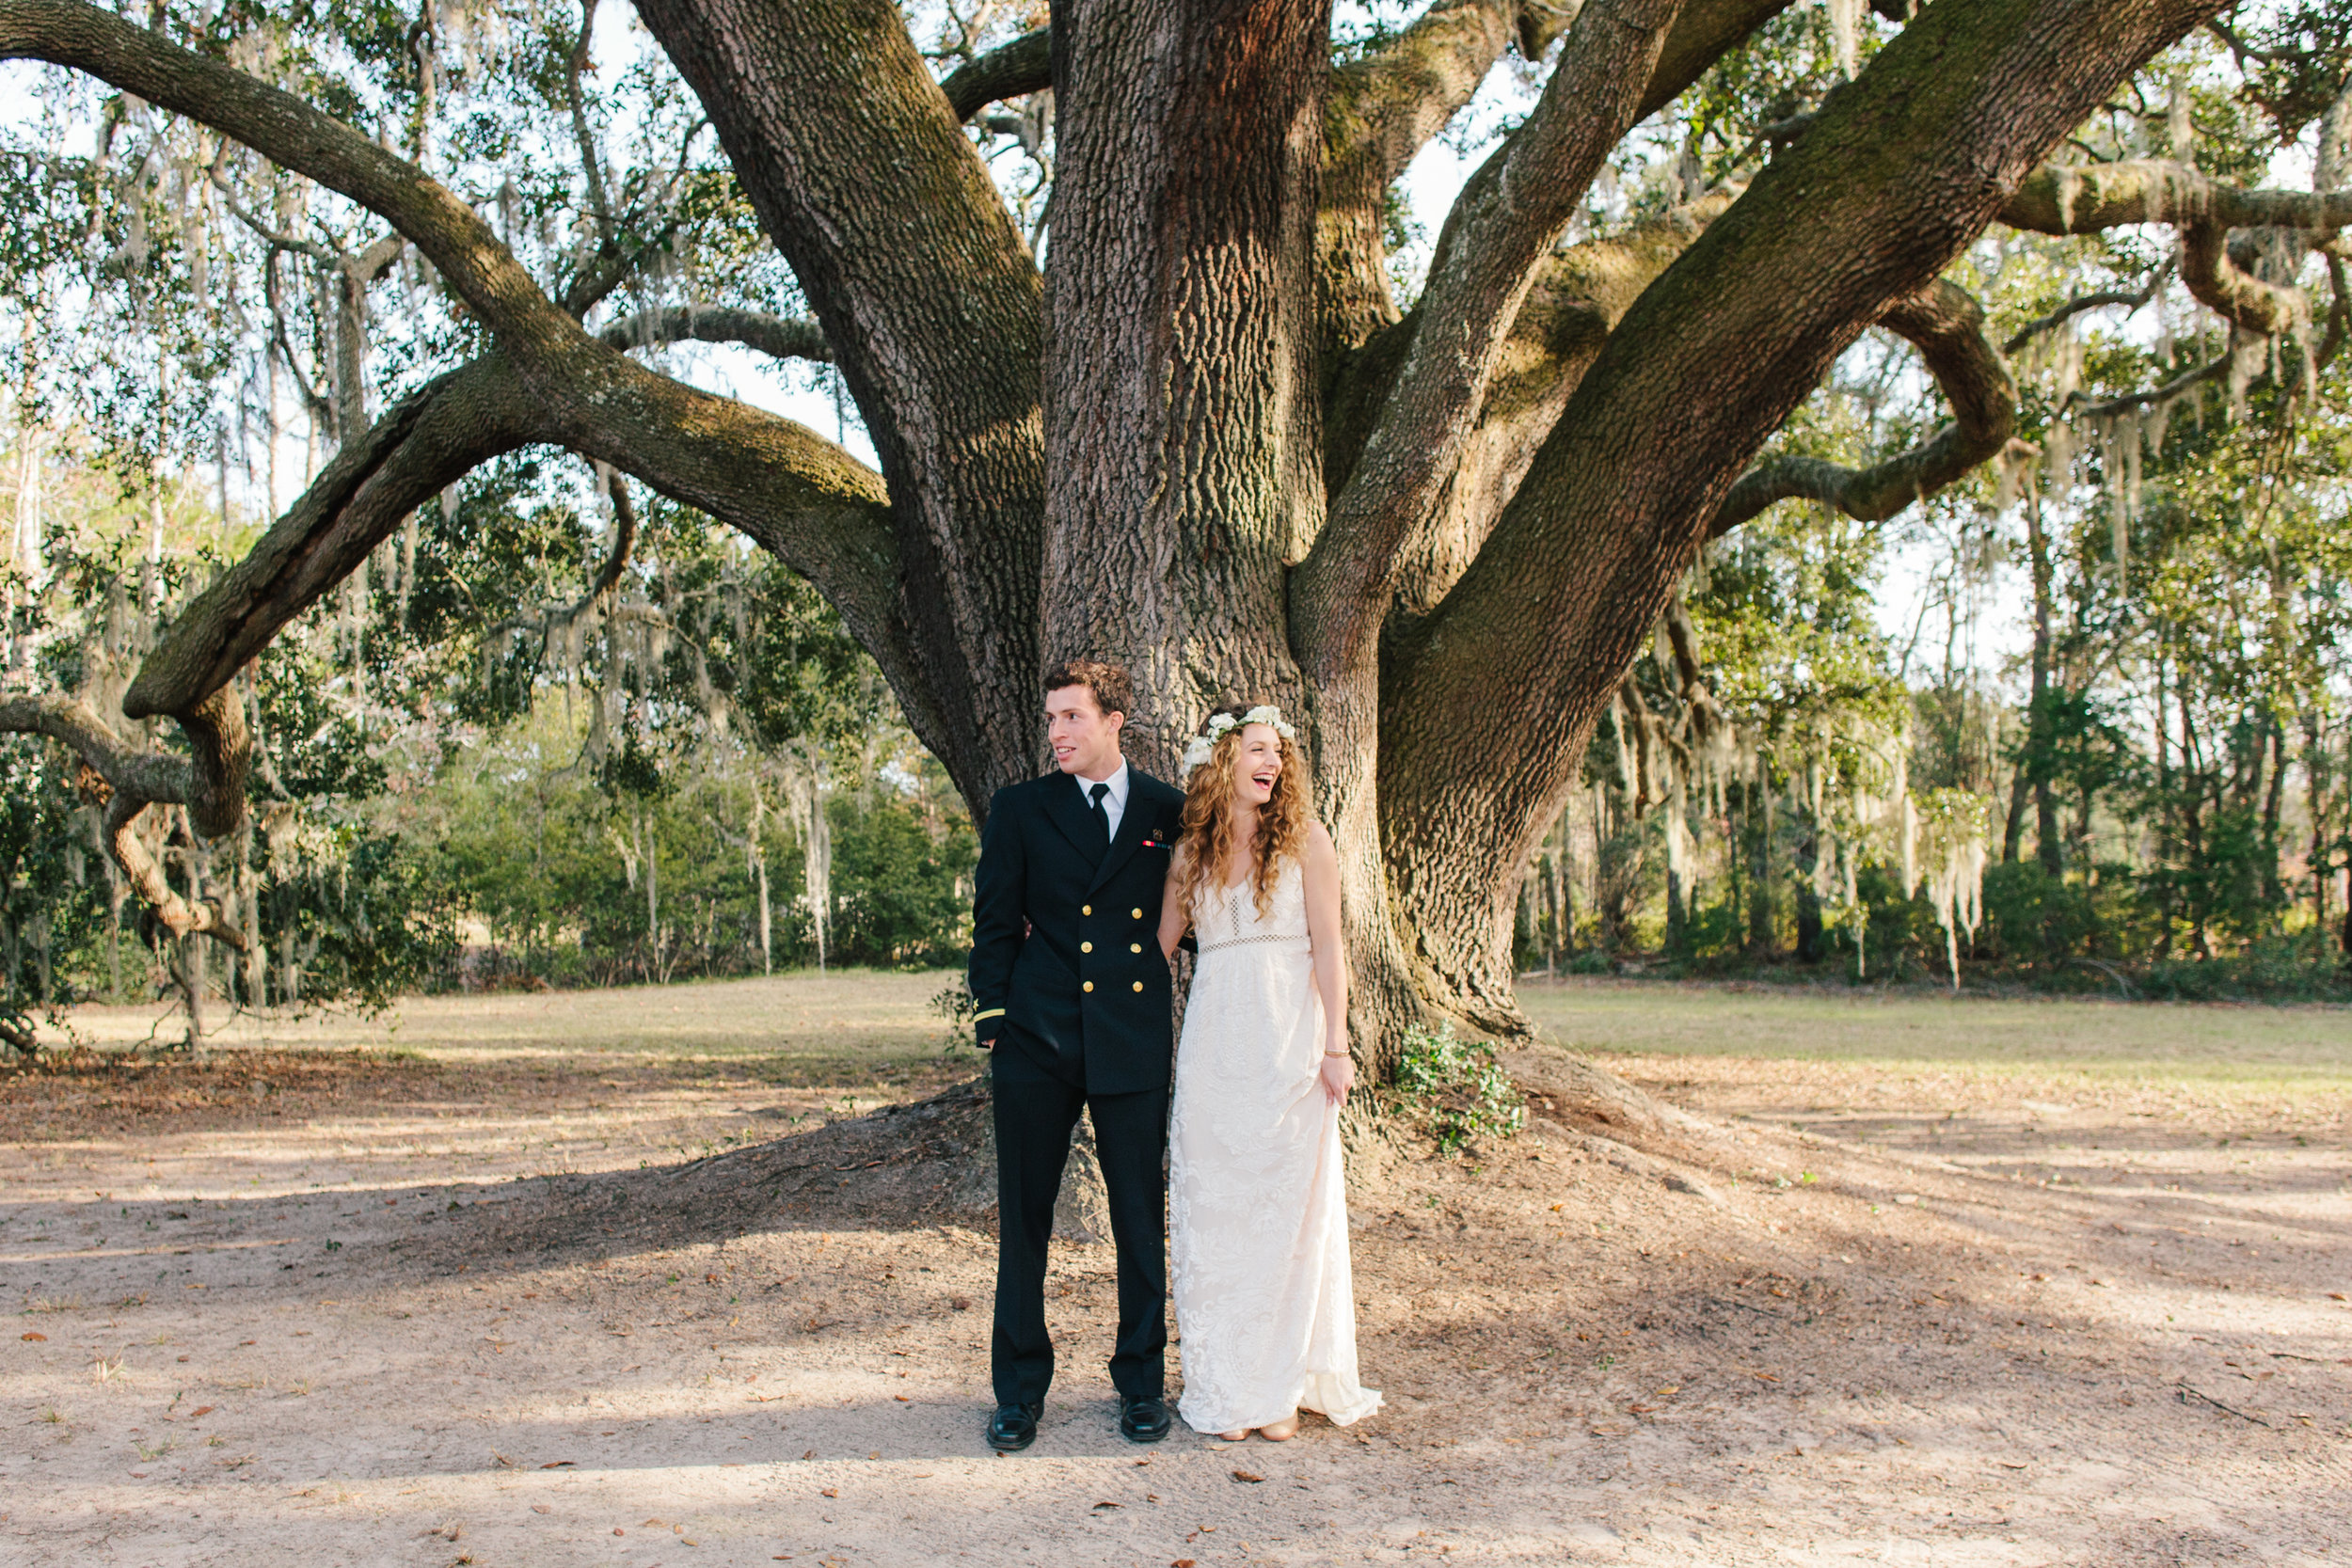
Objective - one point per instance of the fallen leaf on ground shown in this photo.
(559, 1465)
(2011, 1464)
(1243, 1475)
(1106, 1505)
(200, 1410)
(830, 1492)
(36, 1335)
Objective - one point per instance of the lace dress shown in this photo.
(1257, 1198)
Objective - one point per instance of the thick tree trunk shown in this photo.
(1183, 422)
(1183, 426)
(862, 175)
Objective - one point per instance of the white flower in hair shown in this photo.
(1205, 743)
(1266, 713)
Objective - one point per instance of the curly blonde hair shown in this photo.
(1208, 831)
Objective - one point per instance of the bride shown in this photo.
(1257, 1199)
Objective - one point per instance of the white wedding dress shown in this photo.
(1265, 1310)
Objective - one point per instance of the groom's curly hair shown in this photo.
(1208, 835)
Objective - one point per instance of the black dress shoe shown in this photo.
(1143, 1421)
(1014, 1427)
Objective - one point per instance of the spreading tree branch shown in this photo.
(129, 779)
(1013, 71)
(778, 337)
(2096, 300)
(1503, 224)
(2072, 198)
(1945, 322)
(1577, 297)
(424, 443)
(2213, 370)
(1384, 107)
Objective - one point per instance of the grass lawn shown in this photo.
(841, 1026)
(2208, 1044)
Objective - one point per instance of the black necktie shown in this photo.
(1102, 817)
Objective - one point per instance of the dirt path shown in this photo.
(309, 1309)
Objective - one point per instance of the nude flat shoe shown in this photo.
(1241, 1436)
(1280, 1431)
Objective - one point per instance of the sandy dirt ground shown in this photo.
(630, 1279)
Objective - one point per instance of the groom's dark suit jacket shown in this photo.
(1065, 935)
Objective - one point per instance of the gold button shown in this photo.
(1137, 913)
(1135, 947)
(1085, 909)
(1139, 984)
(1089, 985)
(1086, 947)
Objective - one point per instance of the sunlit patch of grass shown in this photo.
(54, 1304)
(842, 1028)
(2235, 1048)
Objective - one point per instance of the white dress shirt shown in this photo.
(1114, 802)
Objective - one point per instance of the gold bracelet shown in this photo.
(1338, 1054)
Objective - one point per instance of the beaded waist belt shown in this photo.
(1305, 944)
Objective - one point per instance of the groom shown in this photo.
(1073, 995)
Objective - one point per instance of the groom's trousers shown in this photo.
(1035, 1114)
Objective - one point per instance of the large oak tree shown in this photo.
(1201, 437)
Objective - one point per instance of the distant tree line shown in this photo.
(681, 768)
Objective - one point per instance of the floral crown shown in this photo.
(1202, 744)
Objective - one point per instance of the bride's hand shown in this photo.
(1339, 1076)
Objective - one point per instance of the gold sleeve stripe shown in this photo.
(983, 1018)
